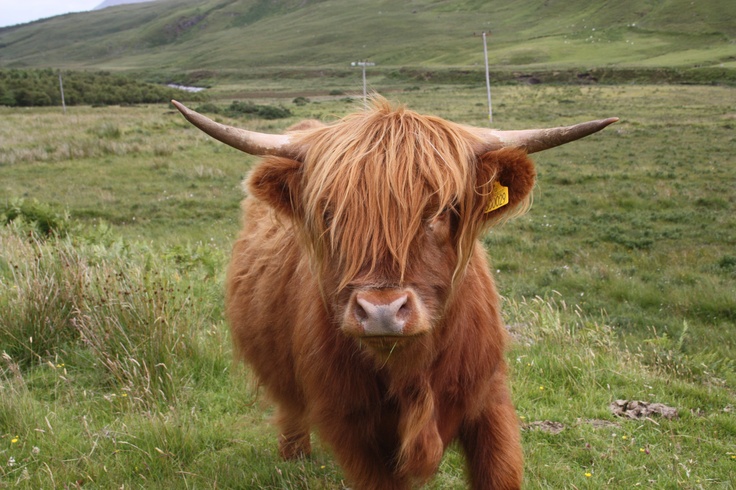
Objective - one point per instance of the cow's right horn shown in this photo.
(534, 140)
(250, 142)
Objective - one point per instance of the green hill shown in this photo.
(170, 36)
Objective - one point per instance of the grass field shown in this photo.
(619, 284)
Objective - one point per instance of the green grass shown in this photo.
(195, 40)
(157, 404)
(637, 221)
(617, 285)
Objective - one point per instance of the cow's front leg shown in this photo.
(368, 462)
(492, 445)
(294, 440)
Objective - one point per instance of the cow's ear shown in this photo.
(277, 182)
(505, 181)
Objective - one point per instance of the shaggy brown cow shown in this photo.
(359, 292)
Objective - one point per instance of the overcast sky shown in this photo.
(19, 11)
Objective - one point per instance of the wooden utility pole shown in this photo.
(363, 64)
(488, 79)
(61, 87)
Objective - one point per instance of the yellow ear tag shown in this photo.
(499, 197)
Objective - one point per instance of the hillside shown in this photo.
(237, 35)
(113, 3)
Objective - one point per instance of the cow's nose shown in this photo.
(383, 312)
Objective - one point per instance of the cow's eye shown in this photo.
(447, 214)
(442, 226)
(440, 220)
(327, 217)
(434, 215)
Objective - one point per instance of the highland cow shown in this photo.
(360, 295)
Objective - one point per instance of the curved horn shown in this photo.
(534, 140)
(250, 142)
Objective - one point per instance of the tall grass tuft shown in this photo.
(15, 402)
(120, 309)
(135, 324)
(41, 287)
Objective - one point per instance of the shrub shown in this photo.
(41, 88)
(209, 107)
(239, 108)
(41, 218)
(273, 112)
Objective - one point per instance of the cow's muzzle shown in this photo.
(373, 314)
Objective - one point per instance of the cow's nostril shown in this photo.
(404, 311)
(360, 314)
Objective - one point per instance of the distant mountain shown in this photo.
(112, 3)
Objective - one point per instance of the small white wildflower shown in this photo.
(11, 462)
(35, 450)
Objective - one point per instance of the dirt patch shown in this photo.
(528, 79)
(545, 426)
(599, 424)
(636, 409)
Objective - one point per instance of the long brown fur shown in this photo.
(384, 200)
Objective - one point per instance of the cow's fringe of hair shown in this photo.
(367, 153)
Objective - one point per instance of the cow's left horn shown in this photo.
(250, 142)
(534, 140)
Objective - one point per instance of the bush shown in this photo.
(209, 107)
(272, 112)
(25, 88)
(42, 218)
(239, 108)
(248, 109)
